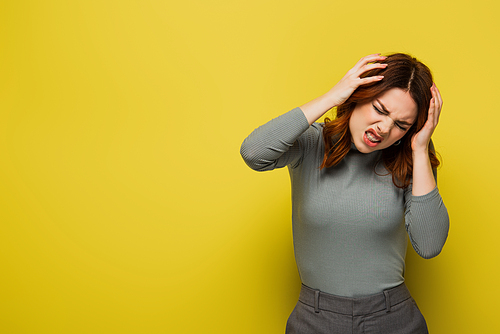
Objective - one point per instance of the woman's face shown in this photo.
(378, 124)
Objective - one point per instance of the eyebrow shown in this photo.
(387, 111)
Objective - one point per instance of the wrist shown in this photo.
(332, 97)
(420, 149)
(420, 154)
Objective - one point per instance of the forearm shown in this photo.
(427, 223)
(423, 178)
(316, 108)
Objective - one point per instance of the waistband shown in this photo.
(354, 306)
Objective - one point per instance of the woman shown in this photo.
(359, 184)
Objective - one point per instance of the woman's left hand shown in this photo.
(420, 140)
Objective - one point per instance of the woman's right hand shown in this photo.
(348, 84)
(314, 109)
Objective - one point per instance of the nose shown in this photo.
(385, 126)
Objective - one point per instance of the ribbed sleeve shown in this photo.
(427, 222)
(272, 144)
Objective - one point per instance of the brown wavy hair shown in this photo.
(404, 72)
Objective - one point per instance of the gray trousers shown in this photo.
(391, 312)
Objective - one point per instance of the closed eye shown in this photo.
(402, 128)
(378, 110)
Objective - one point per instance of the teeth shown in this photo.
(371, 137)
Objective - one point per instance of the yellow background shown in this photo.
(125, 206)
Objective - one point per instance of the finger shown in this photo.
(368, 80)
(438, 93)
(368, 59)
(369, 67)
(437, 101)
(434, 112)
(431, 114)
(435, 93)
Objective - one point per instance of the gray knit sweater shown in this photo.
(348, 221)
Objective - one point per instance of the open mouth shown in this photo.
(371, 137)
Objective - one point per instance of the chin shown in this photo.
(363, 148)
